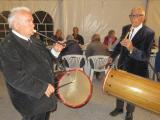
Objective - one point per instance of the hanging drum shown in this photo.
(74, 88)
(134, 89)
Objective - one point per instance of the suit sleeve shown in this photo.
(118, 47)
(143, 53)
(17, 76)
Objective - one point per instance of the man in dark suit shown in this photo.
(134, 50)
(27, 68)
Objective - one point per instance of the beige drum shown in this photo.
(74, 88)
(134, 89)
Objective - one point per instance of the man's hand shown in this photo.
(58, 47)
(50, 90)
(109, 62)
(128, 44)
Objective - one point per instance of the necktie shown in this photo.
(29, 42)
(131, 34)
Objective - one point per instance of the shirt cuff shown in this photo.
(55, 53)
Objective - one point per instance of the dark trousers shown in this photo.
(42, 116)
(120, 104)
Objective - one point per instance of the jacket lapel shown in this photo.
(137, 38)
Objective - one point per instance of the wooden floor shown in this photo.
(98, 108)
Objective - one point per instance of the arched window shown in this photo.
(44, 24)
(4, 29)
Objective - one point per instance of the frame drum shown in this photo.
(74, 88)
(134, 89)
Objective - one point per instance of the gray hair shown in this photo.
(13, 13)
(139, 9)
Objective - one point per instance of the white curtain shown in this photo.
(153, 19)
(97, 16)
(91, 16)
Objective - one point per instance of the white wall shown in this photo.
(153, 19)
(91, 16)
(97, 16)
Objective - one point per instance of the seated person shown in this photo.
(57, 36)
(109, 40)
(95, 47)
(77, 36)
(72, 48)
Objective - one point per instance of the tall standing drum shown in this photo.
(74, 88)
(134, 89)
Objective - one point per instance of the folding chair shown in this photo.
(74, 61)
(97, 64)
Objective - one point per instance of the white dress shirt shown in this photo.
(134, 30)
(19, 35)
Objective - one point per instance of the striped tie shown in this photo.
(131, 34)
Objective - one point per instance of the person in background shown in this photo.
(95, 47)
(72, 47)
(110, 39)
(77, 36)
(27, 67)
(58, 35)
(134, 49)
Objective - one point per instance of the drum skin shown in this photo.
(140, 91)
(79, 90)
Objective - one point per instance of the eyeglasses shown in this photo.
(135, 16)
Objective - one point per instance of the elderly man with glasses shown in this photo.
(134, 49)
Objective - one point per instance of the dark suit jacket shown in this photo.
(27, 71)
(137, 61)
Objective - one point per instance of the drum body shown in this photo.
(74, 88)
(134, 89)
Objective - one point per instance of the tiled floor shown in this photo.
(98, 108)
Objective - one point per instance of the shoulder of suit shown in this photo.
(148, 29)
(7, 43)
(127, 26)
